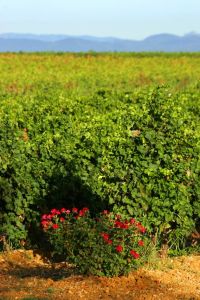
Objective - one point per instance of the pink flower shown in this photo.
(67, 211)
(44, 217)
(119, 248)
(134, 254)
(105, 212)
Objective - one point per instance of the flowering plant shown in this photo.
(108, 245)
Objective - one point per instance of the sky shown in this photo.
(131, 19)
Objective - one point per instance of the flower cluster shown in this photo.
(105, 236)
(119, 231)
(56, 216)
(105, 245)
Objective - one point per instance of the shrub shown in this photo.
(107, 245)
(136, 153)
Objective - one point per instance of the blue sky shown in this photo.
(133, 19)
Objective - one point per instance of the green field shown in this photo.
(107, 131)
(85, 73)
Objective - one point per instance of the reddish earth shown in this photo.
(25, 275)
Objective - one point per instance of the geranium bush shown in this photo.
(107, 245)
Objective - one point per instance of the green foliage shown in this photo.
(105, 139)
(104, 246)
(160, 166)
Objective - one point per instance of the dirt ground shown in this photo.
(26, 275)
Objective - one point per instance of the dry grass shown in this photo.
(27, 275)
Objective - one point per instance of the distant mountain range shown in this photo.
(13, 42)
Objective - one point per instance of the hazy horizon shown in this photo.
(93, 36)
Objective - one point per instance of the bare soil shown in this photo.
(26, 275)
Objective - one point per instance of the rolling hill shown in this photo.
(13, 42)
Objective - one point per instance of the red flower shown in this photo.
(105, 236)
(85, 209)
(119, 248)
(81, 213)
(49, 217)
(141, 243)
(142, 229)
(109, 242)
(54, 211)
(122, 225)
(105, 212)
(132, 221)
(75, 210)
(55, 226)
(45, 223)
(62, 219)
(64, 210)
(118, 224)
(134, 254)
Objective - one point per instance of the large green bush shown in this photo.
(134, 152)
